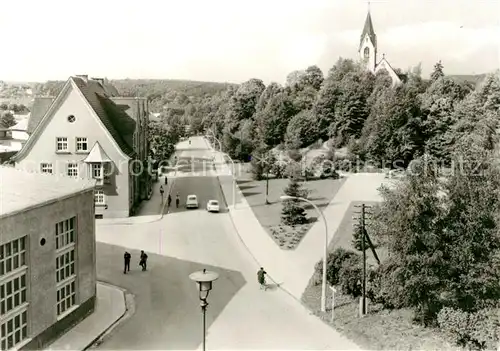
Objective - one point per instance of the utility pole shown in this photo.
(364, 237)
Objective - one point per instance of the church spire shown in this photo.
(368, 29)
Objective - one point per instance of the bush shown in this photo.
(295, 155)
(476, 331)
(334, 262)
(351, 275)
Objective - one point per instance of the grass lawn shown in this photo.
(380, 329)
(320, 193)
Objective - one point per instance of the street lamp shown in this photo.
(204, 281)
(325, 254)
(234, 177)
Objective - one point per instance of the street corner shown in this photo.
(110, 308)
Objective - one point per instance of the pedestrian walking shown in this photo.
(161, 193)
(177, 200)
(169, 200)
(166, 180)
(126, 264)
(261, 278)
(144, 260)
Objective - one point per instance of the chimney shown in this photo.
(85, 77)
(99, 80)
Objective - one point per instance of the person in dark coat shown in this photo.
(261, 278)
(126, 258)
(169, 200)
(144, 260)
(177, 201)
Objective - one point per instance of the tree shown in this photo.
(437, 72)
(4, 106)
(7, 120)
(293, 212)
(438, 103)
(301, 130)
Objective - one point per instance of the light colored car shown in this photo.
(213, 206)
(192, 201)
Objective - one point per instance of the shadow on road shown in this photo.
(167, 307)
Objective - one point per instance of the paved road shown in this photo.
(167, 316)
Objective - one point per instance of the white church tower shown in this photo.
(368, 45)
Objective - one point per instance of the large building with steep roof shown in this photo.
(47, 256)
(368, 50)
(88, 131)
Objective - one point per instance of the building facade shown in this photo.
(88, 131)
(47, 257)
(368, 51)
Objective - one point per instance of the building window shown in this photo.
(73, 169)
(12, 255)
(14, 330)
(81, 145)
(71, 118)
(97, 171)
(13, 293)
(99, 197)
(46, 167)
(65, 265)
(65, 233)
(66, 297)
(62, 144)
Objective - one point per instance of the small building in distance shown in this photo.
(47, 256)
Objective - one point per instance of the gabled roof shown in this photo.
(388, 65)
(368, 29)
(118, 123)
(40, 107)
(97, 155)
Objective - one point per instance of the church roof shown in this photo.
(368, 29)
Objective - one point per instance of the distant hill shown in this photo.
(467, 78)
(161, 92)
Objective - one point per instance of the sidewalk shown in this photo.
(294, 269)
(151, 210)
(110, 308)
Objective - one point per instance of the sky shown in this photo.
(235, 40)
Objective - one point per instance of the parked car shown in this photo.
(192, 201)
(213, 206)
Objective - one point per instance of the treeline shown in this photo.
(365, 113)
(162, 93)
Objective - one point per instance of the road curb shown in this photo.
(116, 322)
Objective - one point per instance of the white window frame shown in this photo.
(66, 296)
(19, 331)
(97, 170)
(66, 265)
(80, 143)
(15, 297)
(46, 167)
(72, 169)
(65, 233)
(13, 255)
(62, 144)
(99, 197)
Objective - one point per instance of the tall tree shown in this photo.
(437, 72)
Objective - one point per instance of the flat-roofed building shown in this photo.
(47, 256)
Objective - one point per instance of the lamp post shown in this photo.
(233, 169)
(325, 253)
(204, 281)
(234, 177)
